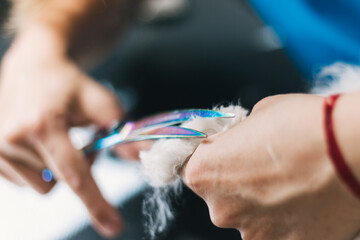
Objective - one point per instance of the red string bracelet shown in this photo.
(336, 157)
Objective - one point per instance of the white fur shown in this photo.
(337, 78)
(162, 164)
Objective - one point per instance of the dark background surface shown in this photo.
(208, 55)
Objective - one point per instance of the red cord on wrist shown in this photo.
(336, 156)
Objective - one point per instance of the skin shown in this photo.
(44, 92)
(270, 176)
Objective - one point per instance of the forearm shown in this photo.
(82, 29)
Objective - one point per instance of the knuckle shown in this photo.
(10, 136)
(267, 101)
(195, 169)
(262, 103)
(196, 173)
(221, 216)
(192, 177)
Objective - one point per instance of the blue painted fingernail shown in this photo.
(47, 175)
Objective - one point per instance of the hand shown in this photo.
(270, 176)
(42, 94)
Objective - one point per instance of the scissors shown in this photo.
(159, 126)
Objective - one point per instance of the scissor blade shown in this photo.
(142, 129)
(176, 117)
(158, 133)
(167, 132)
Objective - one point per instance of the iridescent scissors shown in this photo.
(158, 126)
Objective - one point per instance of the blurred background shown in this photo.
(178, 54)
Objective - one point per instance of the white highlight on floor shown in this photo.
(24, 214)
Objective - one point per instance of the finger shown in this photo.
(195, 173)
(23, 153)
(99, 105)
(32, 178)
(70, 166)
(10, 174)
(23, 165)
(24, 175)
(130, 151)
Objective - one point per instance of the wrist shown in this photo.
(346, 118)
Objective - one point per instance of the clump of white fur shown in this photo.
(162, 164)
(337, 78)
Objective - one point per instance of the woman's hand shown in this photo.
(43, 94)
(270, 176)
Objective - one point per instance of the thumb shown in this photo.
(99, 105)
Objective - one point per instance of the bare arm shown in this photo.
(44, 92)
